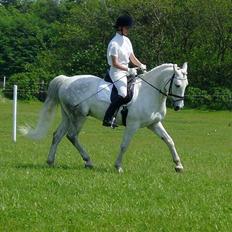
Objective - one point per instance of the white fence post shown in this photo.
(4, 82)
(15, 112)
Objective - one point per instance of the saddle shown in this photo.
(130, 88)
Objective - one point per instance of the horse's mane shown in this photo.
(155, 71)
(161, 67)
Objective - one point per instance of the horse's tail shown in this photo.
(47, 113)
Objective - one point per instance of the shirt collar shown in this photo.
(119, 36)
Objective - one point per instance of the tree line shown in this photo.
(45, 38)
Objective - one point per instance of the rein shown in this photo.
(139, 76)
(180, 98)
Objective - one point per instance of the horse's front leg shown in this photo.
(128, 133)
(162, 133)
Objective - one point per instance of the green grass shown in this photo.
(149, 196)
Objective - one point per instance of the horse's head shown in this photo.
(176, 88)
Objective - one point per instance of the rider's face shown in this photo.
(125, 30)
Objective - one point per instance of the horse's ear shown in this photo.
(185, 66)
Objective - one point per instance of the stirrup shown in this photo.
(113, 123)
(110, 123)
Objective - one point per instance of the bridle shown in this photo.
(169, 93)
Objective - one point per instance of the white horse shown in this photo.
(78, 99)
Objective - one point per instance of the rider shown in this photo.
(119, 54)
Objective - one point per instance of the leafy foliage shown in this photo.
(30, 84)
(71, 37)
(221, 98)
(216, 98)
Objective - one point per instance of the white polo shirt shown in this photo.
(120, 46)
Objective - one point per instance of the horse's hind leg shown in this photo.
(72, 136)
(57, 136)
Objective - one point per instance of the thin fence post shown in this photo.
(4, 82)
(15, 112)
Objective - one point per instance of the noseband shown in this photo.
(169, 93)
(180, 98)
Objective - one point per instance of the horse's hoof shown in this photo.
(119, 170)
(88, 165)
(50, 163)
(179, 169)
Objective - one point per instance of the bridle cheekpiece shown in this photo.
(169, 93)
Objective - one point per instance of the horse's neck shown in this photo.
(158, 79)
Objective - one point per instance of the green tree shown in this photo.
(71, 37)
(20, 40)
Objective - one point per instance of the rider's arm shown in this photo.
(134, 60)
(116, 64)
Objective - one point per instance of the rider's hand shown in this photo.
(132, 71)
(143, 67)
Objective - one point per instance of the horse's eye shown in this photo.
(177, 86)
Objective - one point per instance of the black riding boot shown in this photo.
(114, 106)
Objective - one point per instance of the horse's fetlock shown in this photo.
(89, 165)
(123, 148)
(177, 162)
(50, 162)
(86, 159)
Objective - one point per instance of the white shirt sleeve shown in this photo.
(113, 50)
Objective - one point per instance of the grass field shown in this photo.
(149, 196)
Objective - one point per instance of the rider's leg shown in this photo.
(121, 86)
(113, 107)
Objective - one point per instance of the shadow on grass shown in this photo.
(45, 166)
(99, 169)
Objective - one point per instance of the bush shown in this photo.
(217, 98)
(221, 98)
(196, 97)
(29, 85)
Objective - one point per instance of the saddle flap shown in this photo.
(130, 90)
(104, 91)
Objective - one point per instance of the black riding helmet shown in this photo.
(124, 21)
